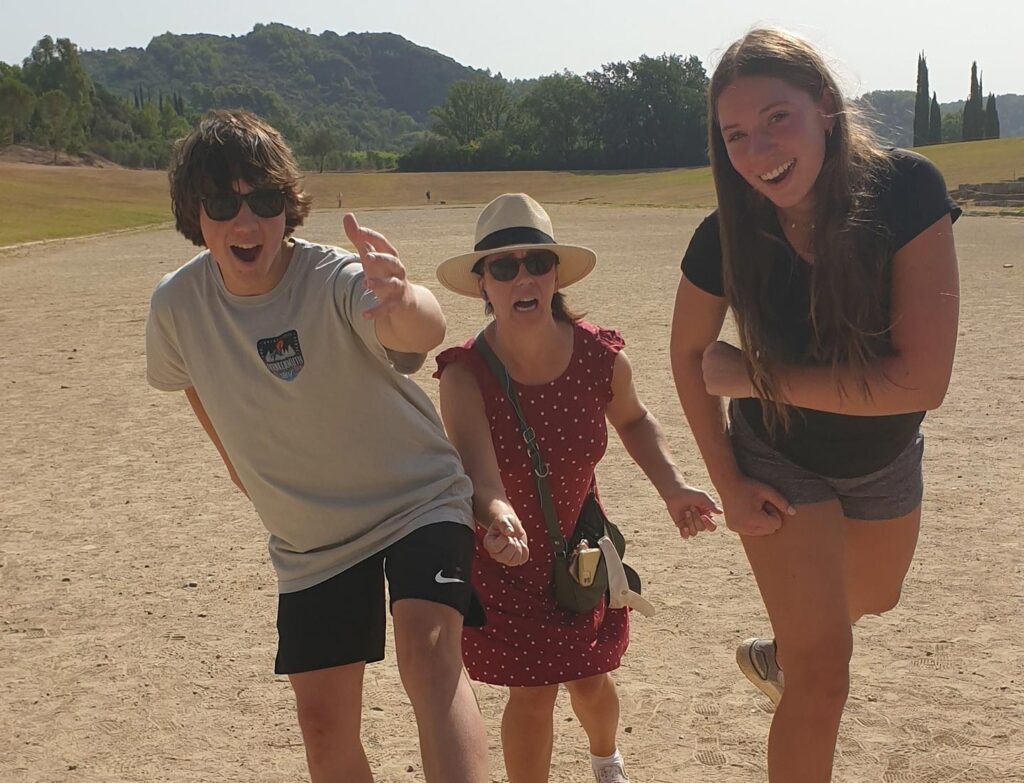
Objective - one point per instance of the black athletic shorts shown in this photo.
(342, 620)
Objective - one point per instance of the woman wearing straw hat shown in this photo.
(568, 377)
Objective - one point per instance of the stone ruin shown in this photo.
(1009, 193)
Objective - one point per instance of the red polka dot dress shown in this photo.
(528, 639)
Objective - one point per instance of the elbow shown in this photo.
(427, 335)
(923, 385)
(936, 395)
(685, 358)
(434, 336)
(437, 328)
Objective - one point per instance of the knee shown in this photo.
(591, 689)
(818, 670)
(428, 645)
(880, 602)
(323, 727)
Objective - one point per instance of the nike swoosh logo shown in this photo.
(441, 579)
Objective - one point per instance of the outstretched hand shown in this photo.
(505, 541)
(383, 271)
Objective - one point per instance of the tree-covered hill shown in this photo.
(377, 101)
(378, 87)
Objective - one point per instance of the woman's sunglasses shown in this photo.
(537, 263)
(263, 203)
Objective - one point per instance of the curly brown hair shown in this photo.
(229, 145)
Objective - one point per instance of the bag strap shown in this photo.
(540, 469)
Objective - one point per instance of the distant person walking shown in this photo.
(428, 195)
(836, 257)
(294, 358)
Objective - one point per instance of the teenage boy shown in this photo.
(294, 358)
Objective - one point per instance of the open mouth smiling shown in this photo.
(779, 174)
(246, 253)
(525, 305)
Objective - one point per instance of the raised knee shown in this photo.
(885, 602)
(875, 604)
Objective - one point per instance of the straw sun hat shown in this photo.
(514, 221)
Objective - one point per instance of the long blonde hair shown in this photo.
(852, 249)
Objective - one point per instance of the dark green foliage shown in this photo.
(51, 102)
(473, 109)
(17, 105)
(935, 121)
(653, 112)
(891, 113)
(379, 87)
(991, 118)
(974, 112)
(557, 122)
(922, 104)
(320, 141)
(952, 126)
(649, 113)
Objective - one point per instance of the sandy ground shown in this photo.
(137, 602)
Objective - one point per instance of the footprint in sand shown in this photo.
(705, 705)
(936, 656)
(897, 769)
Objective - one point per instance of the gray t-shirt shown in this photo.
(340, 452)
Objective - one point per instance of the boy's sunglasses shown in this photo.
(537, 263)
(263, 203)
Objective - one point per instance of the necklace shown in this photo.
(797, 226)
(794, 225)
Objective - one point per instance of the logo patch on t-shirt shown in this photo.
(282, 355)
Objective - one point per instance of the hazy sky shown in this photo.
(873, 43)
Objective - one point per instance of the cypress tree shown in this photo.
(991, 118)
(922, 105)
(968, 107)
(974, 120)
(935, 121)
(979, 109)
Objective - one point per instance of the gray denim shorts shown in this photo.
(888, 493)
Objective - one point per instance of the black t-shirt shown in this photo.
(831, 444)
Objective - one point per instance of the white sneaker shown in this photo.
(756, 659)
(612, 772)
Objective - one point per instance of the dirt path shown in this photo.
(137, 603)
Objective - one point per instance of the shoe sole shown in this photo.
(769, 688)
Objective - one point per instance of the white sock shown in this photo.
(597, 762)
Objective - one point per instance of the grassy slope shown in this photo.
(42, 202)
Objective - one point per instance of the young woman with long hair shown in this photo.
(836, 257)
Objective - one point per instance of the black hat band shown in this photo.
(517, 235)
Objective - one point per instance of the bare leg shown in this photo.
(878, 556)
(330, 704)
(527, 732)
(428, 640)
(800, 572)
(596, 703)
